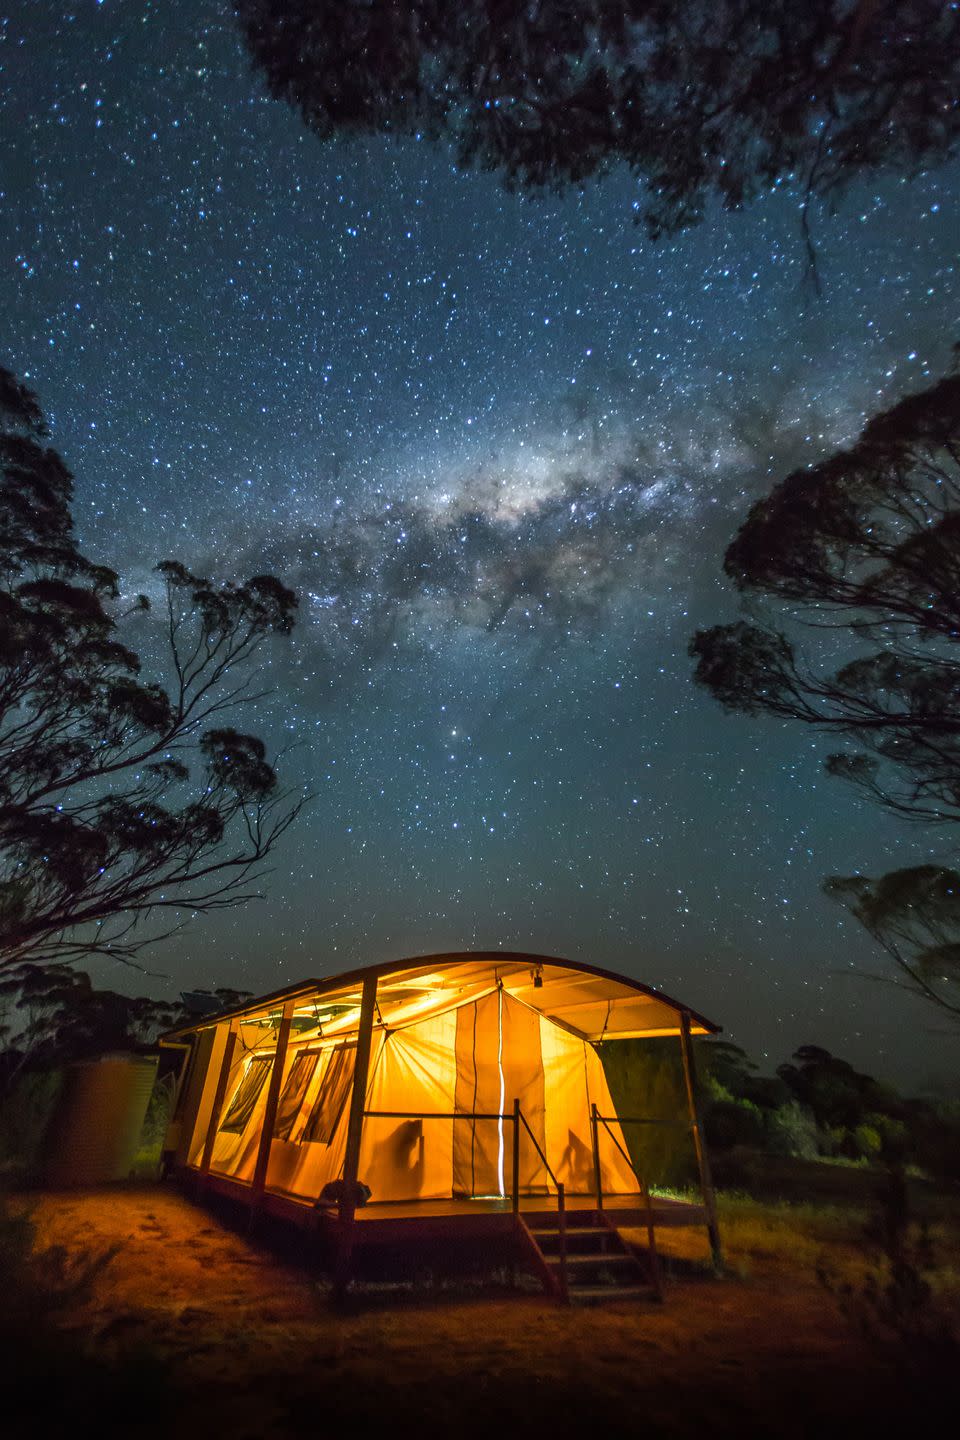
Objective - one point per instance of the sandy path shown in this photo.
(253, 1349)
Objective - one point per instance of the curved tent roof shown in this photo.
(592, 1003)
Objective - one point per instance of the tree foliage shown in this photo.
(914, 914)
(701, 101)
(865, 549)
(838, 1096)
(51, 1015)
(121, 799)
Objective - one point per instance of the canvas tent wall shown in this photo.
(452, 1038)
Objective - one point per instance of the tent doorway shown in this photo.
(499, 1061)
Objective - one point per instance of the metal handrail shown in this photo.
(436, 1115)
(599, 1119)
(646, 1120)
(517, 1117)
(536, 1146)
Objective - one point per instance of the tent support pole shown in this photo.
(351, 1159)
(597, 1173)
(696, 1126)
(259, 1183)
(516, 1157)
(223, 1079)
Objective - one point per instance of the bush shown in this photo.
(935, 1135)
(25, 1112)
(733, 1122)
(792, 1130)
(155, 1123)
(869, 1141)
(895, 1306)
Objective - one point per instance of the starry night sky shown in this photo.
(498, 446)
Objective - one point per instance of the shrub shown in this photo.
(792, 1130)
(25, 1112)
(869, 1141)
(733, 1122)
(894, 1306)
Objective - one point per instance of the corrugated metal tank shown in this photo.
(95, 1130)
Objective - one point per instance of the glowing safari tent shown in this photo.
(433, 1095)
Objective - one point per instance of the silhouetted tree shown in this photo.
(914, 914)
(704, 100)
(730, 1067)
(120, 799)
(838, 1095)
(52, 1014)
(866, 545)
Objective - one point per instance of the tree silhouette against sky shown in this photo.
(122, 802)
(864, 550)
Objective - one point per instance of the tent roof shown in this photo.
(593, 1004)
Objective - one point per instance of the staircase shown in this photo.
(600, 1264)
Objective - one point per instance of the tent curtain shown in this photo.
(244, 1102)
(408, 1157)
(498, 1061)
(294, 1090)
(331, 1097)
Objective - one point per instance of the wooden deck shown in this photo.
(574, 1260)
(450, 1218)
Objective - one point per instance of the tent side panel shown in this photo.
(235, 1148)
(189, 1116)
(498, 1061)
(312, 1154)
(411, 1159)
(523, 1078)
(475, 1092)
(617, 1175)
(206, 1078)
(574, 1080)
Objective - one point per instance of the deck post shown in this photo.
(351, 1159)
(223, 1080)
(562, 1228)
(259, 1183)
(516, 1157)
(699, 1142)
(597, 1177)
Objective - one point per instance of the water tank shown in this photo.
(95, 1130)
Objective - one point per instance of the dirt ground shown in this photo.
(224, 1337)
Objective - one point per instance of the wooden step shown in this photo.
(598, 1264)
(581, 1242)
(613, 1258)
(554, 1234)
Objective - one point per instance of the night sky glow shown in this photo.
(498, 447)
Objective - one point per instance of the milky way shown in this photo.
(498, 447)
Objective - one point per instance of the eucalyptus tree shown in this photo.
(864, 550)
(126, 804)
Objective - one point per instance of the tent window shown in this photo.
(332, 1096)
(301, 1073)
(244, 1101)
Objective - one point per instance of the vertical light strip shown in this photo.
(501, 1190)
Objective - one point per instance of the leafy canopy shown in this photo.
(120, 798)
(52, 1014)
(703, 101)
(865, 549)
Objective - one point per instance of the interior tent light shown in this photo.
(503, 1097)
(269, 1021)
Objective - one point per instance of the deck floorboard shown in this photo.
(444, 1217)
